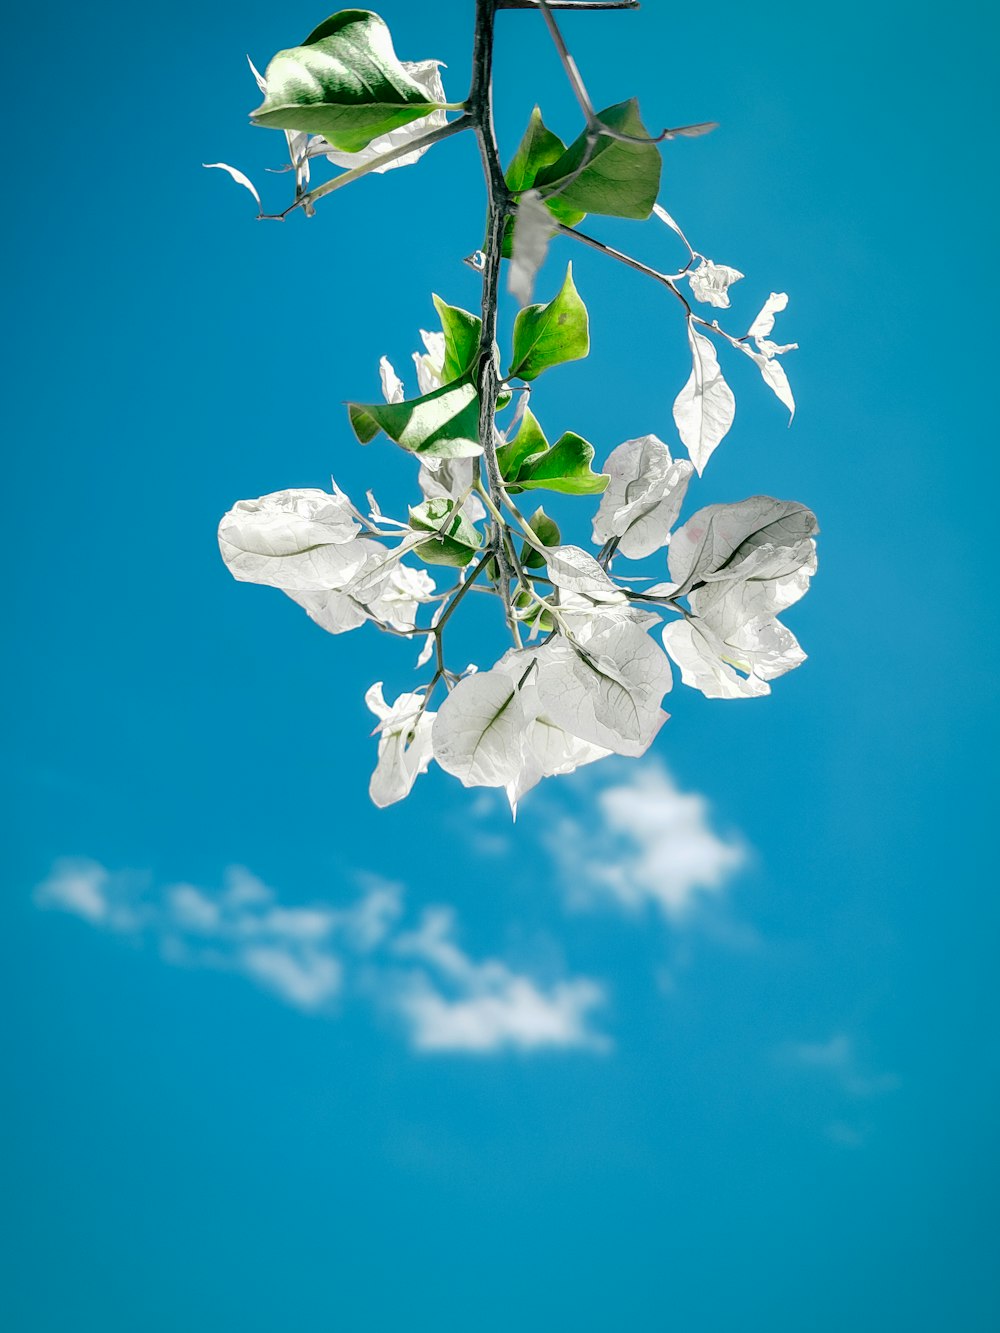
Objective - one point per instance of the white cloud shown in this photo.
(308, 979)
(86, 889)
(837, 1058)
(646, 842)
(469, 1006)
(306, 955)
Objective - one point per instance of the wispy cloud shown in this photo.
(306, 955)
(639, 840)
(837, 1059)
(841, 1076)
(458, 1004)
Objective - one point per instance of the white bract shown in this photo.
(404, 744)
(705, 407)
(764, 358)
(307, 543)
(710, 283)
(740, 565)
(534, 227)
(643, 498)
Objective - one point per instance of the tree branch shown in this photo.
(464, 122)
(664, 278)
(577, 5)
(499, 208)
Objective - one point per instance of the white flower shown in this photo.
(772, 371)
(643, 498)
(403, 591)
(404, 745)
(710, 283)
(741, 565)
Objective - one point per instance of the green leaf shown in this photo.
(461, 338)
(548, 335)
(547, 532)
(620, 180)
(528, 442)
(537, 615)
(456, 540)
(343, 82)
(528, 462)
(442, 424)
(566, 468)
(537, 150)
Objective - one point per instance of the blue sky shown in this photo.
(274, 1058)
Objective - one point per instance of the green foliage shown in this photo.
(442, 424)
(547, 531)
(456, 540)
(537, 150)
(344, 82)
(529, 462)
(461, 339)
(549, 335)
(620, 180)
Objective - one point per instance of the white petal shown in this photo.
(430, 364)
(333, 611)
(404, 747)
(238, 177)
(392, 386)
(643, 497)
(700, 657)
(774, 375)
(451, 478)
(764, 322)
(575, 570)
(261, 81)
(710, 540)
(300, 540)
(710, 283)
(610, 698)
(534, 227)
(664, 216)
(705, 407)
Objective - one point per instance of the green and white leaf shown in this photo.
(455, 540)
(344, 82)
(546, 531)
(442, 424)
(427, 75)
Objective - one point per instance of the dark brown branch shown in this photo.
(577, 5)
(499, 207)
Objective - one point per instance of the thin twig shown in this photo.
(664, 278)
(464, 122)
(579, 6)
